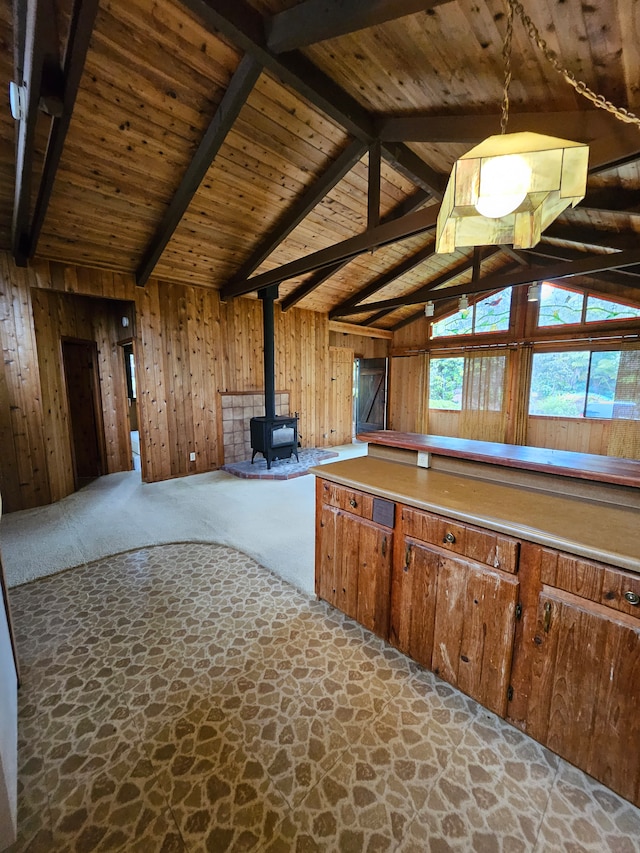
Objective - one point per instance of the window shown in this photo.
(490, 314)
(586, 384)
(445, 383)
(561, 306)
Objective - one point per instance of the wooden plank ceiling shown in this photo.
(214, 142)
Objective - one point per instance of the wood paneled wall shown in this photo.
(363, 347)
(61, 315)
(408, 377)
(188, 346)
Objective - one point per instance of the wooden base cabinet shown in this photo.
(454, 615)
(548, 640)
(355, 555)
(584, 664)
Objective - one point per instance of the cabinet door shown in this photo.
(584, 692)
(353, 571)
(413, 601)
(474, 630)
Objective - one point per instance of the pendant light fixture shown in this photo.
(510, 187)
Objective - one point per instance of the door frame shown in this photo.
(125, 342)
(97, 405)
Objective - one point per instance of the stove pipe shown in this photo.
(268, 295)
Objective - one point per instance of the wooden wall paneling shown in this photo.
(340, 415)
(47, 323)
(407, 393)
(23, 470)
(113, 387)
(363, 347)
(151, 388)
(585, 435)
(196, 333)
(444, 422)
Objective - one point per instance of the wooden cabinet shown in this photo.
(584, 659)
(451, 596)
(454, 615)
(354, 558)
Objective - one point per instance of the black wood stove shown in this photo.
(275, 436)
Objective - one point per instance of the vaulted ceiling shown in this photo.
(235, 144)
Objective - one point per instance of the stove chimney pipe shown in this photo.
(268, 295)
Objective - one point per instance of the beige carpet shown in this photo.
(271, 521)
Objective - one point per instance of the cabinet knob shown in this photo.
(632, 597)
(353, 502)
(450, 538)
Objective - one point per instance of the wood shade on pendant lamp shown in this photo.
(509, 189)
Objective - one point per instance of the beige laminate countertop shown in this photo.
(593, 530)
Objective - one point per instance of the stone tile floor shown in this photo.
(183, 698)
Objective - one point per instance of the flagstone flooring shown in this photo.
(183, 698)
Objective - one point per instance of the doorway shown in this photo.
(370, 399)
(128, 353)
(80, 360)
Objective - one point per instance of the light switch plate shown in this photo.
(192, 457)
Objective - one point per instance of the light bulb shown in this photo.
(429, 309)
(504, 183)
(463, 302)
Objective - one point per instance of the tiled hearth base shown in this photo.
(183, 698)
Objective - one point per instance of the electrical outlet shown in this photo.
(192, 457)
(424, 460)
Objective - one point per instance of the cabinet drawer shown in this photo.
(350, 500)
(484, 546)
(594, 581)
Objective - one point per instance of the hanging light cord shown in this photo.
(506, 57)
(581, 88)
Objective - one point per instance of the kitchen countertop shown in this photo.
(589, 529)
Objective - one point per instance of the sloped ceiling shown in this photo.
(213, 141)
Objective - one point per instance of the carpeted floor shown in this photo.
(271, 521)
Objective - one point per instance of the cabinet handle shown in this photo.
(407, 558)
(632, 597)
(449, 538)
(353, 502)
(384, 547)
(547, 617)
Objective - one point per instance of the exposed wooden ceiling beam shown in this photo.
(442, 309)
(415, 169)
(300, 208)
(590, 237)
(389, 305)
(383, 280)
(373, 187)
(353, 329)
(581, 126)
(80, 29)
(612, 199)
(240, 87)
(557, 253)
(413, 202)
(39, 22)
(614, 149)
(524, 275)
(244, 26)
(391, 232)
(318, 20)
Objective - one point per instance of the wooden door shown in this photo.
(474, 629)
(80, 359)
(353, 567)
(584, 688)
(413, 600)
(341, 395)
(371, 390)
